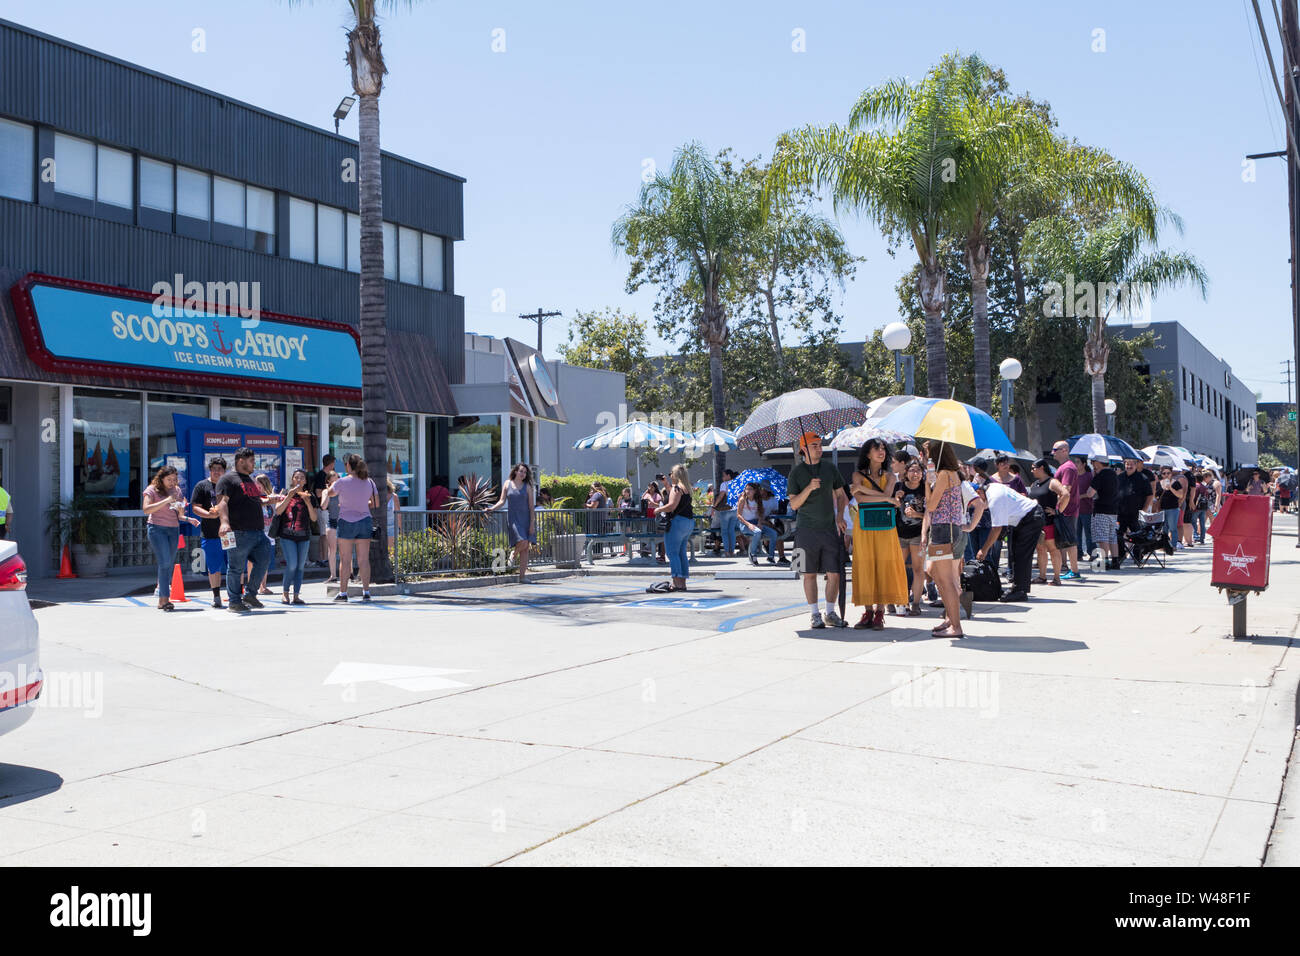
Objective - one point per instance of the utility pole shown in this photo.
(1287, 363)
(540, 318)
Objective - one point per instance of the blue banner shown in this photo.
(91, 327)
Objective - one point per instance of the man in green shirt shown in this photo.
(817, 494)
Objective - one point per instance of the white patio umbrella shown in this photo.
(636, 434)
(713, 438)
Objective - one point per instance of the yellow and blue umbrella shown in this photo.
(946, 420)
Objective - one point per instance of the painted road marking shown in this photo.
(687, 604)
(403, 676)
(730, 624)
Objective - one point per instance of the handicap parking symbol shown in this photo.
(687, 604)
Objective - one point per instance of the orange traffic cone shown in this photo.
(65, 566)
(178, 586)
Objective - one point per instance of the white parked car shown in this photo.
(20, 668)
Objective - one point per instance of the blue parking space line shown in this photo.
(730, 624)
(135, 601)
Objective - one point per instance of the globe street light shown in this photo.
(1110, 415)
(897, 337)
(1010, 370)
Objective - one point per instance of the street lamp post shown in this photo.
(897, 337)
(1010, 370)
(1110, 416)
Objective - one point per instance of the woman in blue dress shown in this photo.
(517, 500)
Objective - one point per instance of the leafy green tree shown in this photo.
(612, 339)
(687, 234)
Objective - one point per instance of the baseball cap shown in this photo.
(808, 437)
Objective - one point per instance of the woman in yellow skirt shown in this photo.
(879, 577)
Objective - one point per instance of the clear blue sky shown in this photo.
(551, 133)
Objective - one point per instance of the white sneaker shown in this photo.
(817, 620)
(834, 620)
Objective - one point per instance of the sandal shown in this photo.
(913, 610)
(943, 626)
(954, 634)
(298, 600)
(1039, 580)
(285, 598)
(1056, 581)
(169, 606)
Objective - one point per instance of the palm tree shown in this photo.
(366, 60)
(1118, 256)
(699, 224)
(906, 177)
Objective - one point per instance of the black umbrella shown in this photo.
(784, 419)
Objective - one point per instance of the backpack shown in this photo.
(981, 579)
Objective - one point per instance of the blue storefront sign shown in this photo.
(82, 326)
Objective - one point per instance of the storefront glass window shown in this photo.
(474, 448)
(305, 432)
(106, 429)
(345, 435)
(162, 428)
(256, 414)
(401, 457)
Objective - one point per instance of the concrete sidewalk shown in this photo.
(1108, 722)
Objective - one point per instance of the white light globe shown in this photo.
(1110, 406)
(1010, 369)
(897, 336)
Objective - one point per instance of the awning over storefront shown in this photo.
(63, 331)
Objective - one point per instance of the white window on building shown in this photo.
(390, 251)
(329, 236)
(302, 230)
(227, 201)
(192, 193)
(157, 185)
(261, 218)
(354, 242)
(115, 185)
(433, 262)
(17, 160)
(408, 263)
(74, 166)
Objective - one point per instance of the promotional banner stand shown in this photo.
(1243, 539)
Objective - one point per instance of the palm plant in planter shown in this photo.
(87, 525)
(476, 494)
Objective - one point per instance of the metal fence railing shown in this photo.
(433, 543)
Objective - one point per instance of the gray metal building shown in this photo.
(115, 178)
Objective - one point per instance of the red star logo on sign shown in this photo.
(1239, 561)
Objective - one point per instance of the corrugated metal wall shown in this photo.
(49, 82)
(41, 239)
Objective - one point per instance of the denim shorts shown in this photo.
(353, 530)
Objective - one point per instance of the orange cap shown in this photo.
(807, 437)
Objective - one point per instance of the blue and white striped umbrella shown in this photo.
(636, 434)
(713, 438)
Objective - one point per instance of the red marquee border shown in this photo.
(29, 326)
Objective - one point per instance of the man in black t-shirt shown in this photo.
(1133, 495)
(319, 482)
(1104, 492)
(204, 503)
(239, 503)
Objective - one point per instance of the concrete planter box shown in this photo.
(91, 564)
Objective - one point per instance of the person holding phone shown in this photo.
(297, 512)
(163, 503)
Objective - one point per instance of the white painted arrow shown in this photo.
(395, 675)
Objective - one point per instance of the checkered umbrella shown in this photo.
(785, 418)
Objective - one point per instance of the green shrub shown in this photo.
(577, 488)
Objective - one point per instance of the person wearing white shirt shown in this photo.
(1008, 508)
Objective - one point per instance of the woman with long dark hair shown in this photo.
(521, 526)
(943, 534)
(297, 514)
(909, 494)
(751, 515)
(682, 523)
(357, 494)
(879, 577)
(163, 503)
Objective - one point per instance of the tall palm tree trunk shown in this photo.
(936, 355)
(977, 260)
(1029, 390)
(1096, 353)
(374, 340)
(716, 336)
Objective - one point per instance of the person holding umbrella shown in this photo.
(817, 494)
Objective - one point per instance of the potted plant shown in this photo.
(87, 525)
